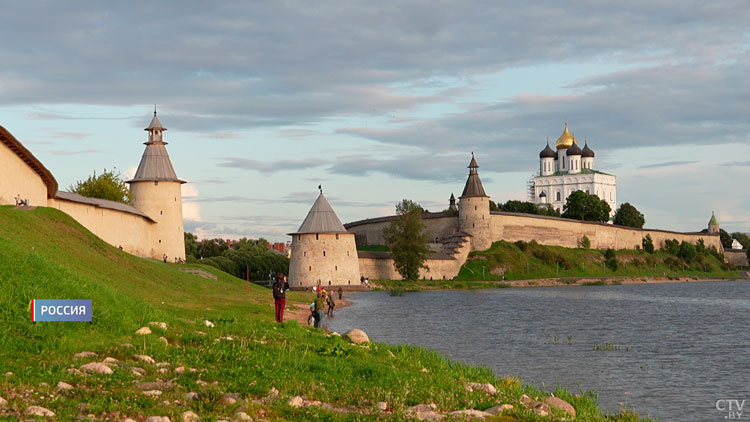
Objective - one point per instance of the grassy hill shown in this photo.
(246, 363)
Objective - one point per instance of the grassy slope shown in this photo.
(46, 254)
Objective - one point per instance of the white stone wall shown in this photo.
(602, 185)
(16, 177)
(162, 201)
(328, 258)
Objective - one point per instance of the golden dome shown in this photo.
(566, 139)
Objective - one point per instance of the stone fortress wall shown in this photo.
(326, 258)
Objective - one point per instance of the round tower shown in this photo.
(574, 158)
(547, 161)
(322, 250)
(713, 224)
(474, 210)
(157, 193)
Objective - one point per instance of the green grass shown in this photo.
(44, 254)
(376, 248)
(533, 261)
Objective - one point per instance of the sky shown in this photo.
(381, 101)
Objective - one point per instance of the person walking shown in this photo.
(341, 292)
(320, 305)
(331, 304)
(279, 296)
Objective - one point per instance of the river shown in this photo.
(675, 349)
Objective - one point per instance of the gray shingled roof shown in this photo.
(155, 165)
(155, 124)
(473, 186)
(101, 203)
(321, 219)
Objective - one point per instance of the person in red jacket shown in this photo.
(279, 296)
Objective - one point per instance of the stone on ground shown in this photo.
(64, 386)
(3, 402)
(96, 367)
(470, 413)
(382, 406)
(82, 355)
(487, 388)
(128, 420)
(139, 372)
(208, 324)
(191, 396)
(39, 411)
(357, 336)
(109, 360)
(228, 399)
(189, 416)
(242, 416)
(162, 325)
(142, 332)
(296, 401)
(558, 403)
(8, 374)
(144, 358)
(499, 409)
(163, 340)
(152, 393)
(424, 412)
(158, 419)
(273, 392)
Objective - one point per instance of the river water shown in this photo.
(678, 348)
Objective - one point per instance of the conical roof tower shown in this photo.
(321, 219)
(473, 185)
(155, 164)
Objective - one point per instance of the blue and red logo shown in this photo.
(61, 310)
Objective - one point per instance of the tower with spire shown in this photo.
(474, 210)
(713, 224)
(323, 252)
(158, 194)
(568, 169)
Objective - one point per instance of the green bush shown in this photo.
(687, 251)
(648, 244)
(584, 242)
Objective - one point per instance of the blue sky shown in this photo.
(384, 101)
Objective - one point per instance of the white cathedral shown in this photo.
(569, 169)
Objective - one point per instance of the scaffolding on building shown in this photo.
(531, 190)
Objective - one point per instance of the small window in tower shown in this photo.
(336, 267)
(324, 253)
(156, 183)
(337, 236)
(304, 253)
(316, 236)
(310, 268)
(159, 240)
(472, 224)
(161, 212)
(347, 253)
(475, 207)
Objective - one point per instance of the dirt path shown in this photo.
(300, 312)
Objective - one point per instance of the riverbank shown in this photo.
(540, 282)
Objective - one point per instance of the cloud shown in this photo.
(666, 164)
(271, 166)
(76, 152)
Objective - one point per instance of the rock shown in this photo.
(139, 372)
(228, 399)
(558, 403)
(162, 370)
(470, 413)
(189, 416)
(155, 385)
(143, 331)
(127, 345)
(165, 403)
(487, 388)
(157, 419)
(164, 340)
(3, 402)
(39, 411)
(525, 399)
(499, 409)
(424, 412)
(8, 374)
(144, 358)
(242, 416)
(128, 420)
(74, 371)
(82, 355)
(273, 392)
(180, 369)
(43, 385)
(541, 409)
(110, 360)
(357, 336)
(296, 401)
(208, 324)
(64, 386)
(152, 393)
(162, 325)
(162, 364)
(382, 406)
(425, 370)
(541, 412)
(191, 396)
(201, 383)
(96, 367)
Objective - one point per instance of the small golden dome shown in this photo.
(566, 139)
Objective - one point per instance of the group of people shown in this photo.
(318, 309)
(20, 201)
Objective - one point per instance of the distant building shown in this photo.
(567, 169)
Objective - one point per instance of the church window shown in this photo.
(587, 191)
(558, 196)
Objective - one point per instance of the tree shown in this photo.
(627, 215)
(648, 244)
(583, 206)
(726, 239)
(407, 237)
(494, 206)
(526, 208)
(108, 185)
(687, 251)
(191, 245)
